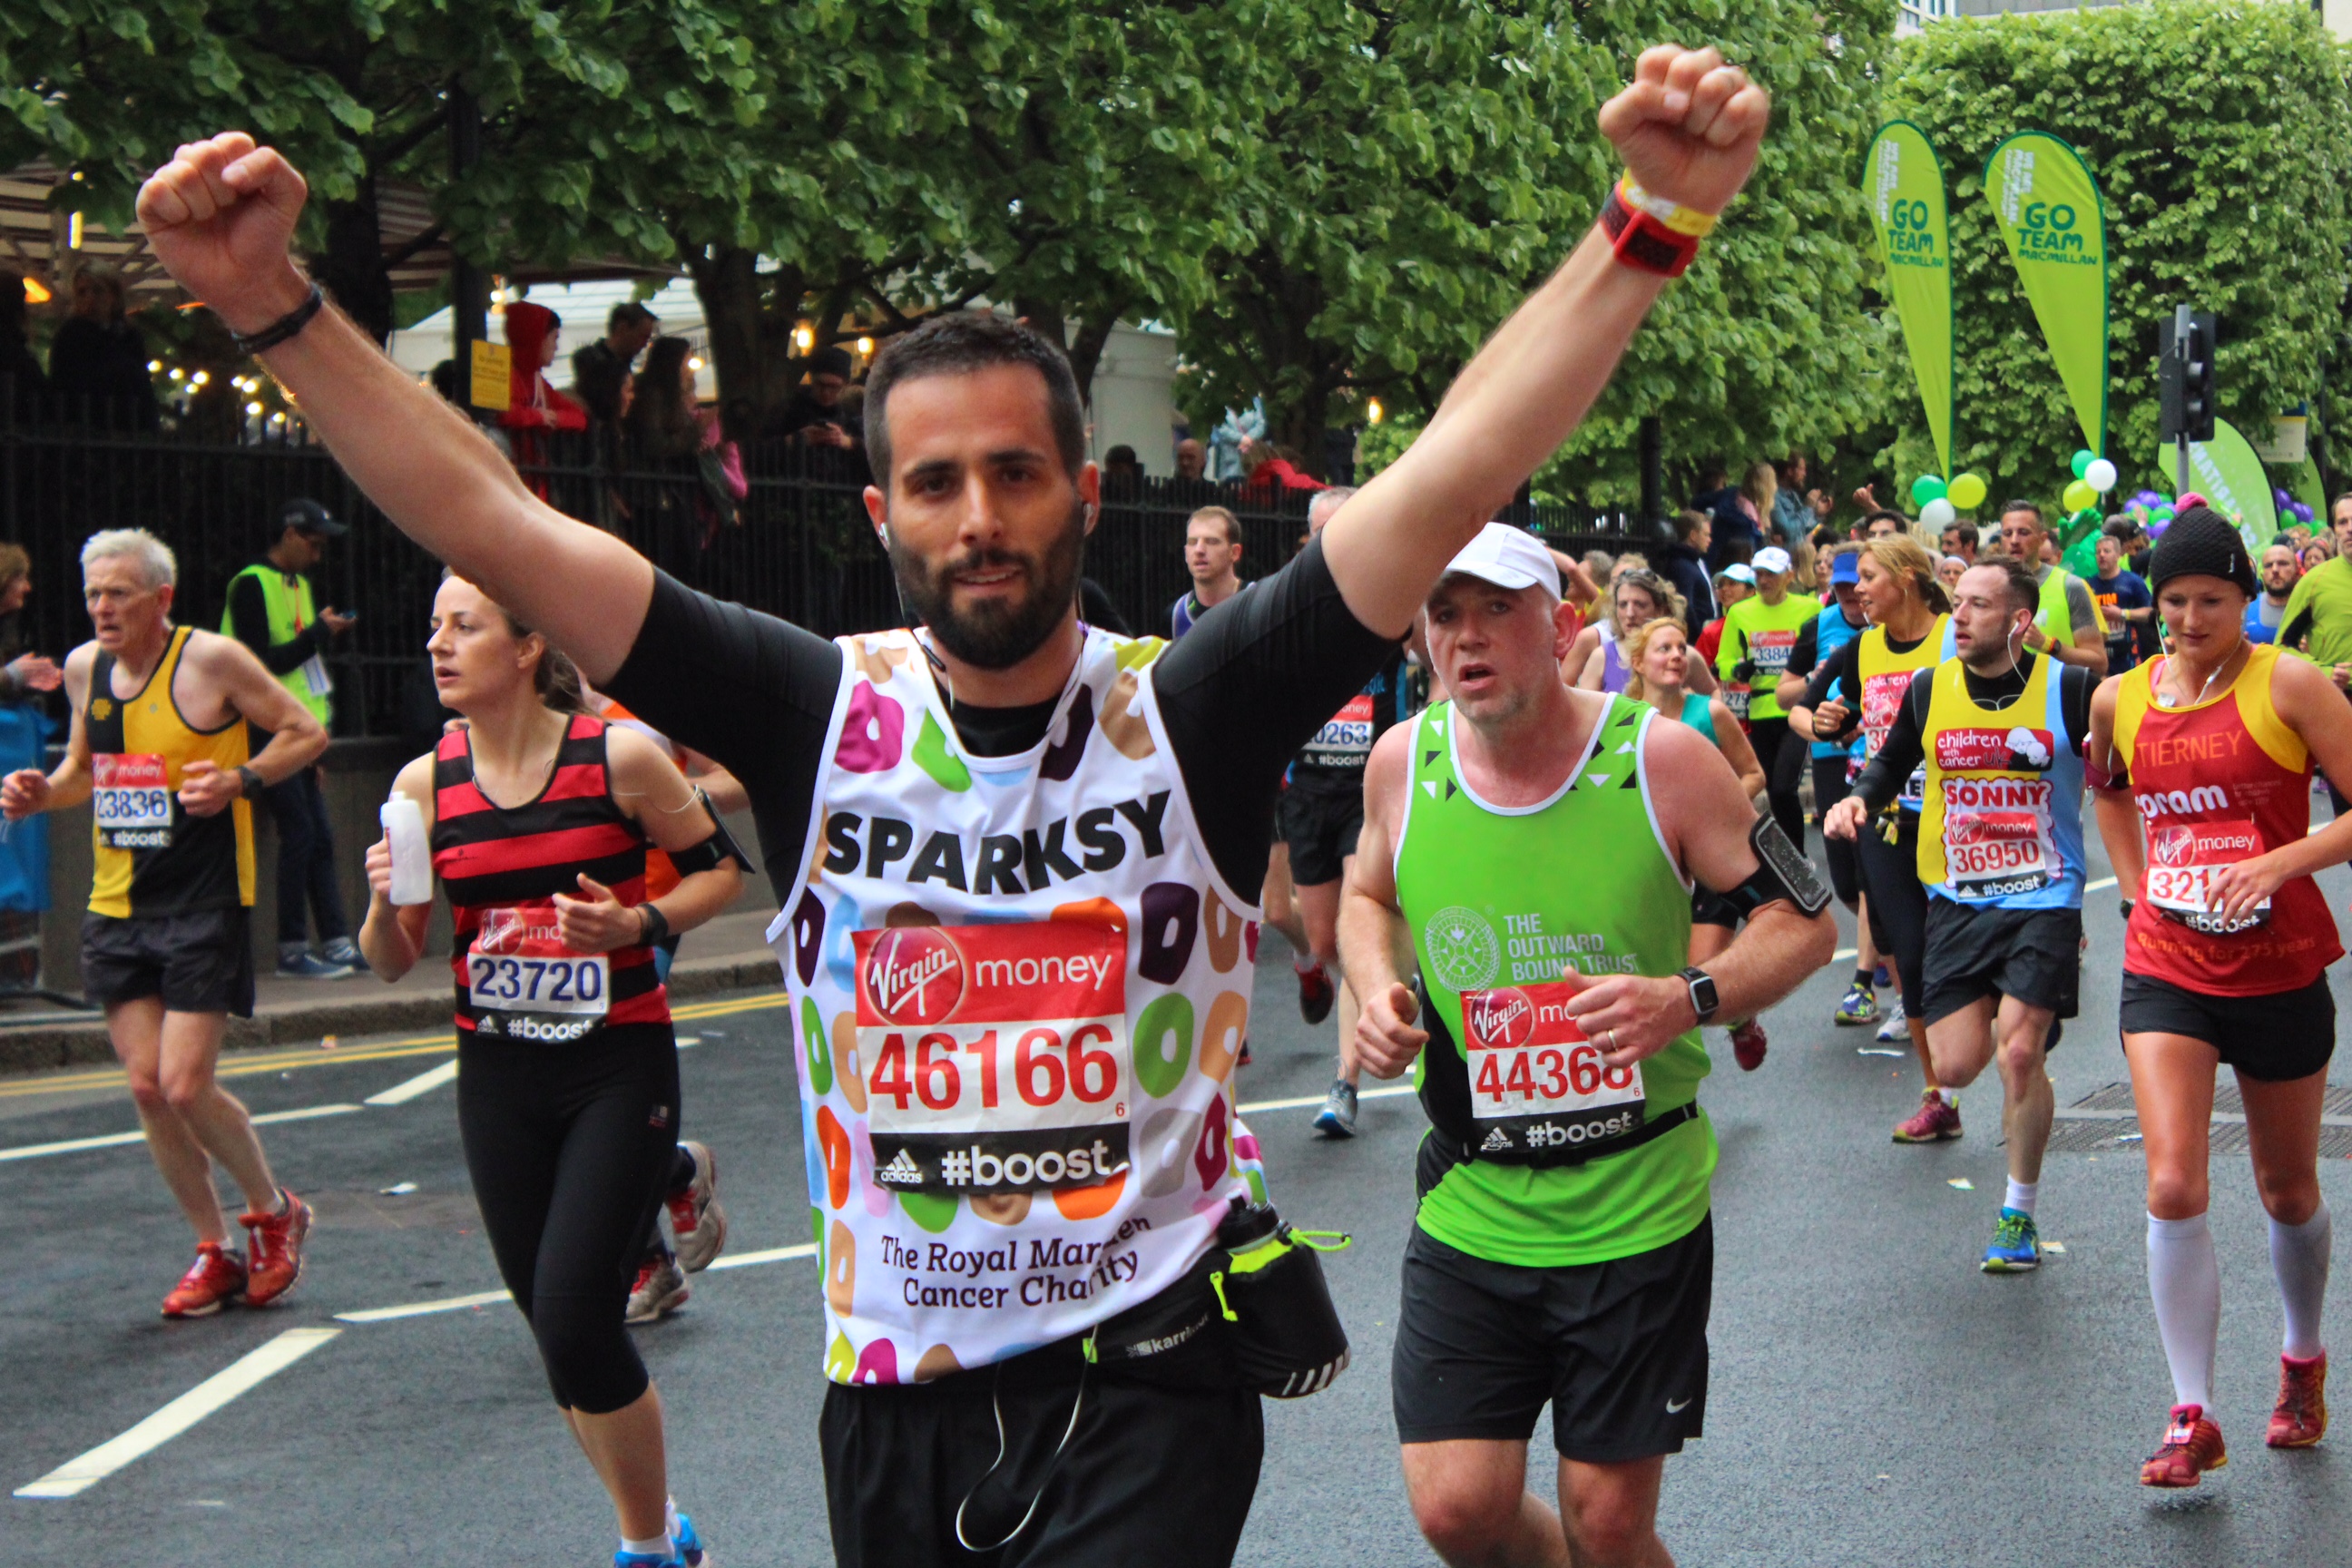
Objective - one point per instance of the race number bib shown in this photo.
(1736, 698)
(2182, 857)
(2000, 834)
(997, 1057)
(1770, 652)
(1882, 703)
(519, 968)
(1535, 1078)
(1345, 741)
(131, 796)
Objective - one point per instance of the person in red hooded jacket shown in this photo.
(533, 406)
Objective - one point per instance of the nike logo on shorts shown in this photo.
(1676, 1406)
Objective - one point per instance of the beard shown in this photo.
(996, 635)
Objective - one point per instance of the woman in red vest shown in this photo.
(540, 819)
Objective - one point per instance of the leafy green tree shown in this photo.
(2217, 134)
(1427, 164)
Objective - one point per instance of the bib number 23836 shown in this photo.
(519, 965)
(1535, 1077)
(131, 796)
(997, 1057)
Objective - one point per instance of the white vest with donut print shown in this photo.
(1019, 988)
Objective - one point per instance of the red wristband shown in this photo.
(1643, 239)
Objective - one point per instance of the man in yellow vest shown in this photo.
(2067, 626)
(159, 752)
(271, 611)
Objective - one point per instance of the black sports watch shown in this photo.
(1702, 992)
(249, 783)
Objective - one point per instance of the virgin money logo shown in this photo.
(2173, 845)
(1499, 1020)
(512, 928)
(913, 975)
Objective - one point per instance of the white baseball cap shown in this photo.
(1740, 571)
(1509, 558)
(1771, 558)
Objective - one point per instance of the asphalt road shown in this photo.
(1875, 1398)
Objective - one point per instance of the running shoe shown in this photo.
(660, 1288)
(345, 951)
(1894, 1029)
(1747, 1044)
(690, 1549)
(1881, 978)
(643, 1560)
(304, 964)
(2192, 1445)
(214, 1280)
(695, 1221)
(1859, 1005)
(2016, 1247)
(1935, 1121)
(2301, 1418)
(277, 1250)
(1338, 1117)
(1316, 994)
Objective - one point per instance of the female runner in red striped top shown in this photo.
(2202, 761)
(567, 1069)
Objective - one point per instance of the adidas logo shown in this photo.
(1497, 1139)
(901, 1169)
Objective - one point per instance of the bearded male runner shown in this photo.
(1010, 853)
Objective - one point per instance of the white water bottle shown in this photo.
(412, 858)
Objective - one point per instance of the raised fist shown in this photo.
(219, 217)
(1688, 126)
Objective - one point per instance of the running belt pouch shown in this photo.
(1287, 1341)
(1178, 1340)
(1445, 1099)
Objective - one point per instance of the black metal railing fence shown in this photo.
(798, 544)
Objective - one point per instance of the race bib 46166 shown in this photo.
(998, 1056)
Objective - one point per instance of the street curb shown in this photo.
(40, 1046)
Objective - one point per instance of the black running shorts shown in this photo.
(1898, 904)
(2034, 955)
(1619, 1349)
(1320, 821)
(1151, 1475)
(197, 962)
(2277, 1038)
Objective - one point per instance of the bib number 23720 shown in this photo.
(519, 964)
(998, 1056)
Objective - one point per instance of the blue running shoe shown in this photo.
(2016, 1245)
(1860, 1005)
(642, 1560)
(1880, 978)
(1338, 1117)
(689, 1545)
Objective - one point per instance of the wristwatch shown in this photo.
(249, 783)
(1702, 992)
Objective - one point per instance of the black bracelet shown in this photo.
(250, 783)
(284, 327)
(656, 924)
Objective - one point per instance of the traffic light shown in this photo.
(2184, 347)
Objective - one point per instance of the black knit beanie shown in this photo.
(2201, 542)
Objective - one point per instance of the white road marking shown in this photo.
(116, 1140)
(1316, 1099)
(423, 1309)
(77, 1474)
(2102, 882)
(773, 1255)
(425, 1082)
(1843, 952)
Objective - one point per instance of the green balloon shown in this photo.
(1925, 488)
(2083, 559)
(2084, 456)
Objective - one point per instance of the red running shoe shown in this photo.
(277, 1250)
(1316, 994)
(1935, 1121)
(2192, 1445)
(214, 1280)
(2301, 1418)
(1747, 1044)
(696, 1219)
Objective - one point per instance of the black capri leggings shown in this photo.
(1898, 904)
(570, 1150)
(1829, 788)
(1782, 756)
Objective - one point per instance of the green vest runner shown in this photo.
(1498, 900)
(1764, 634)
(290, 610)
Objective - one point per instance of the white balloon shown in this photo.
(1938, 514)
(2100, 475)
